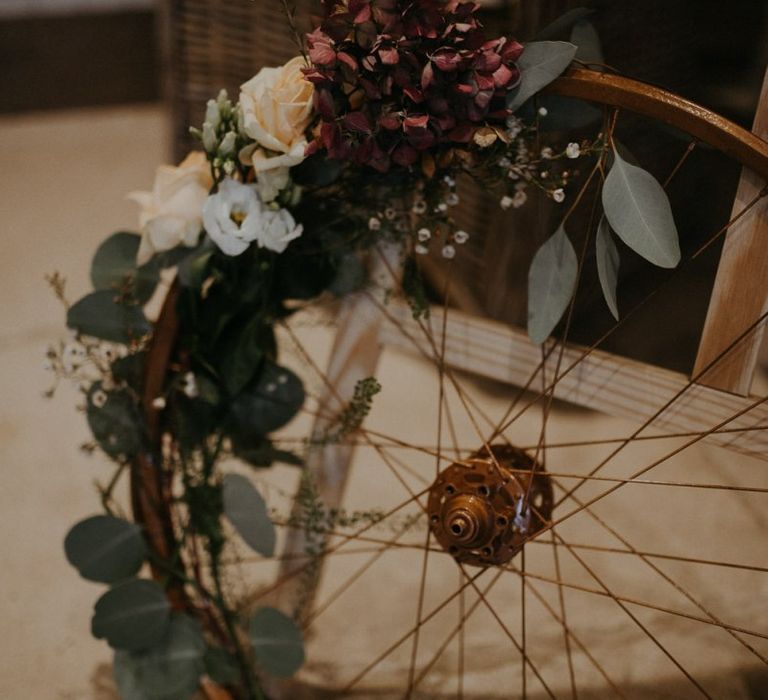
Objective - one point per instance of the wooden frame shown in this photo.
(740, 295)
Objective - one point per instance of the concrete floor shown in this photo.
(62, 188)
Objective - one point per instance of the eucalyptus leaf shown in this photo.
(268, 403)
(350, 275)
(540, 63)
(259, 452)
(114, 267)
(638, 210)
(130, 369)
(551, 284)
(115, 421)
(560, 26)
(246, 510)
(563, 113)
(170, 670)
(105, 549)
(133, 615)
(277, 642)
(317, 171)
(585, 37)
(607, 265)
(194, 266)
(125, 677)
(243, 357)
(102, 316)
(221, 666)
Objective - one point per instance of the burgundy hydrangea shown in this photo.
(396, 78)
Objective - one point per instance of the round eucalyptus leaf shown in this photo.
(221, 666)
(132, 615)
(103, 316)
(125, 677)
(551, 284)
(115, 421)
(267, 403)
(114, 267)
(638, 210)
(170, 670)
(277, 643)
(540, 63)
(246, 510)
(130, 369)
(105, 549)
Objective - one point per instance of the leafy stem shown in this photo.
(246, 670)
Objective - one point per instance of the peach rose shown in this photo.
(277, 109)
(172, 213)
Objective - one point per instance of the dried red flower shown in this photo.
(397, 78)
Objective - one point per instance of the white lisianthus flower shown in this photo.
(235, 217)
(171, 214)
(279, 230)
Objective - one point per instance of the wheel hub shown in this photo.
(483, 509)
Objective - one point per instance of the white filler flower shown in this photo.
(235, 217)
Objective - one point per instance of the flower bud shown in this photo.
(227, 146)
(212, 114)
(210, 140)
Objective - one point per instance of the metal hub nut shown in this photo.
(483, 509)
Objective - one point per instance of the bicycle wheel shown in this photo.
(495, 542)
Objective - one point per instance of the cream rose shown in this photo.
(172, 213)
(277, 109)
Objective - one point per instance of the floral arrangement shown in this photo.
(360, 140)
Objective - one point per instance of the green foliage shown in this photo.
(267, 404)
(638, 210)
(317, 171)
(114, 267)
(563, 113)
(169, 670)
(277, 643)
(352, 417)
(115, 421)
(607, 265)
(241, 362)
(105, 549)
(194, 267)
(585, 37)
(551, 284)
(259, 452)
(206, 506)
(130, 369)
(540, 63)
(132, 615)
(413, 288)
(221, 666)
(246, 510)
(104, 314)
(350, 275)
